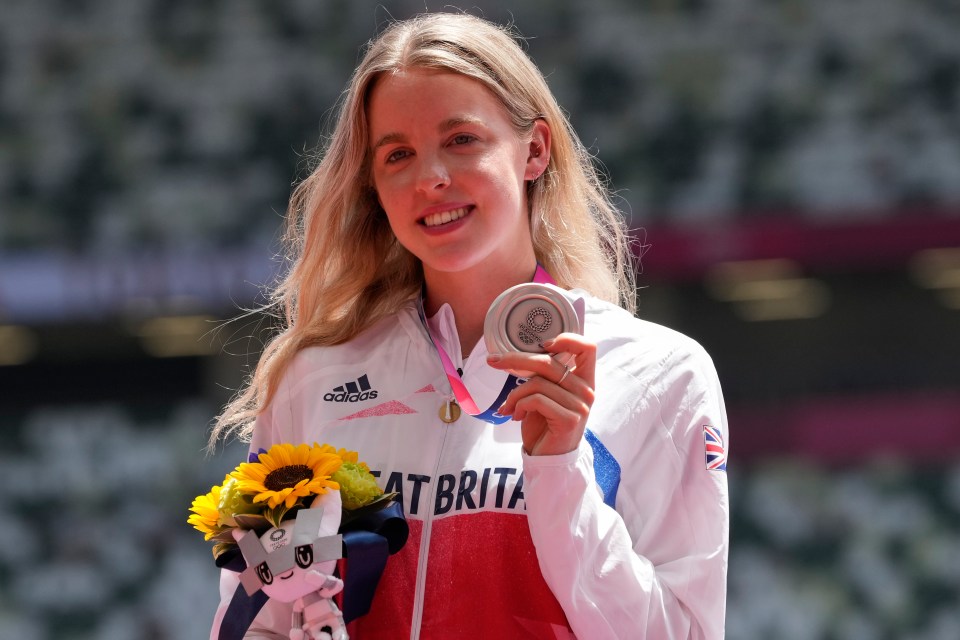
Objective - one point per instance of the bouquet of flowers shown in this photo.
(273, 485)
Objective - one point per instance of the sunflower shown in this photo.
(206, 512)
(286, 473)
(346, 455)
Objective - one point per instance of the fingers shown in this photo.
(562, 380)
(550, 399)
(554, 403)
(552, 418)
(572, 347)
(567, 354)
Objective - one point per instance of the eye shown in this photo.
(304, 555)
(462, 138)
(264, 573)
(395, 156)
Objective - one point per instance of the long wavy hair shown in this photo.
(348, 271)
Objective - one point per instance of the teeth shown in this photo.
(435, 219)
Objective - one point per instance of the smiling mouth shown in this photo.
(445, 217)
(286, 576)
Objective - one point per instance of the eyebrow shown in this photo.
(445, 126)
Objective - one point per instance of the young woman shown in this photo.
(600, 509)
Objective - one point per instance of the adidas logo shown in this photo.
(352, 391)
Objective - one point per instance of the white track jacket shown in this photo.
(505, 545)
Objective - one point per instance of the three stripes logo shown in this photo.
(354, 391)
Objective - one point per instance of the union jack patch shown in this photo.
(713, 444)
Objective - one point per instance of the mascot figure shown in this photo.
(295, 563)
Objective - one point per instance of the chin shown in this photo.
(451, 264)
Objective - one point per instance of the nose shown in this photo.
(433, 175)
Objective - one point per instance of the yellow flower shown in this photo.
(345, 455)
(286, 473)
(206, 512)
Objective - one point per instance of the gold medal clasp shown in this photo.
(450, 411)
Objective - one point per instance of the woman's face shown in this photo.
(450, 171)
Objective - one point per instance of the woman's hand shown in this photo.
(554, 403)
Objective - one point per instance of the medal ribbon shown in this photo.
(605, 466)
(464, 399)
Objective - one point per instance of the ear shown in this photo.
(539, 150)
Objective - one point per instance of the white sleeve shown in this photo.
(656, 567)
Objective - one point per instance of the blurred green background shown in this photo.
(791, 172)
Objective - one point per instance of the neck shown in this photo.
(470, 293)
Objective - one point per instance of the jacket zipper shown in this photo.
(425, 542)
(422, 563)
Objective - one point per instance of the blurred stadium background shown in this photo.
(791, 167)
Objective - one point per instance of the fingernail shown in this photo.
(503, 410)
(548, 343)
(494, 357)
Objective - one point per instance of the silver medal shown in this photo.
(523, 317)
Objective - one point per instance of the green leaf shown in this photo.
(222, 547)
(255, 522)
(224, 536)
(380, 502)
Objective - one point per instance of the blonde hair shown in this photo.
(348, 270)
